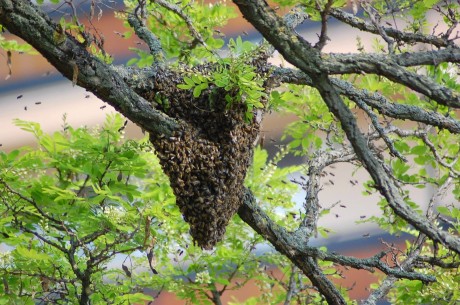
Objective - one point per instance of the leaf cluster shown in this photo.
(235, 75)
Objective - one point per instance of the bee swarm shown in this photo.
(206, 161)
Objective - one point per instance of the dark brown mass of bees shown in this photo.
(207, 159)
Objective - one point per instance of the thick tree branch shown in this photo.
(338, 63)
(398, 111)
(375, 100)
(386, 66)
(71, 58)
(300, 53)
(293, 245)
(383, 181)
(287, 244)
(410, 38)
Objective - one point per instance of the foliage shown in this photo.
(88, 209)
(179, 39)
(69, 207)
(88, 205)
(235, 75)
(11, 46)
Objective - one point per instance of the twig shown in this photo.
(323, 38)
(291, 287)
(373, 15)
(147, 36)
(375, 122)
(389, 281)
(176, 9)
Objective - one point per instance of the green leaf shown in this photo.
(184, 86)
(197, 91)
(31, 254)
(189, 82)
(444, 210)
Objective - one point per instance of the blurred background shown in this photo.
(37, 92)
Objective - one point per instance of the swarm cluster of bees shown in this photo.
(207, 159)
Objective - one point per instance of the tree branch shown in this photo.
(295, 17)
(411, 38)
(323, 38)
(378, 173)
(300, 53)
(397, 111)
(339, 63)
(316, 165)
(391, 69)
(288, 245)
(71, 58)
(389, 281)
(147, 36)
(293, 245)
(375, 100)
(176, 9)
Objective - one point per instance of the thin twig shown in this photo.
(147, 36)
(375, 122)
(323, 38)
(176, 9)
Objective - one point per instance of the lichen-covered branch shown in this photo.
(337, 63)
(295, 17)
(374, 99)
(147, 36)
(288, 245)
(300, 53)
(293, 245)
(397, 111)
(389, 281)
(71, 58)
(410, 38)
(385, 66)
(316, 165)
